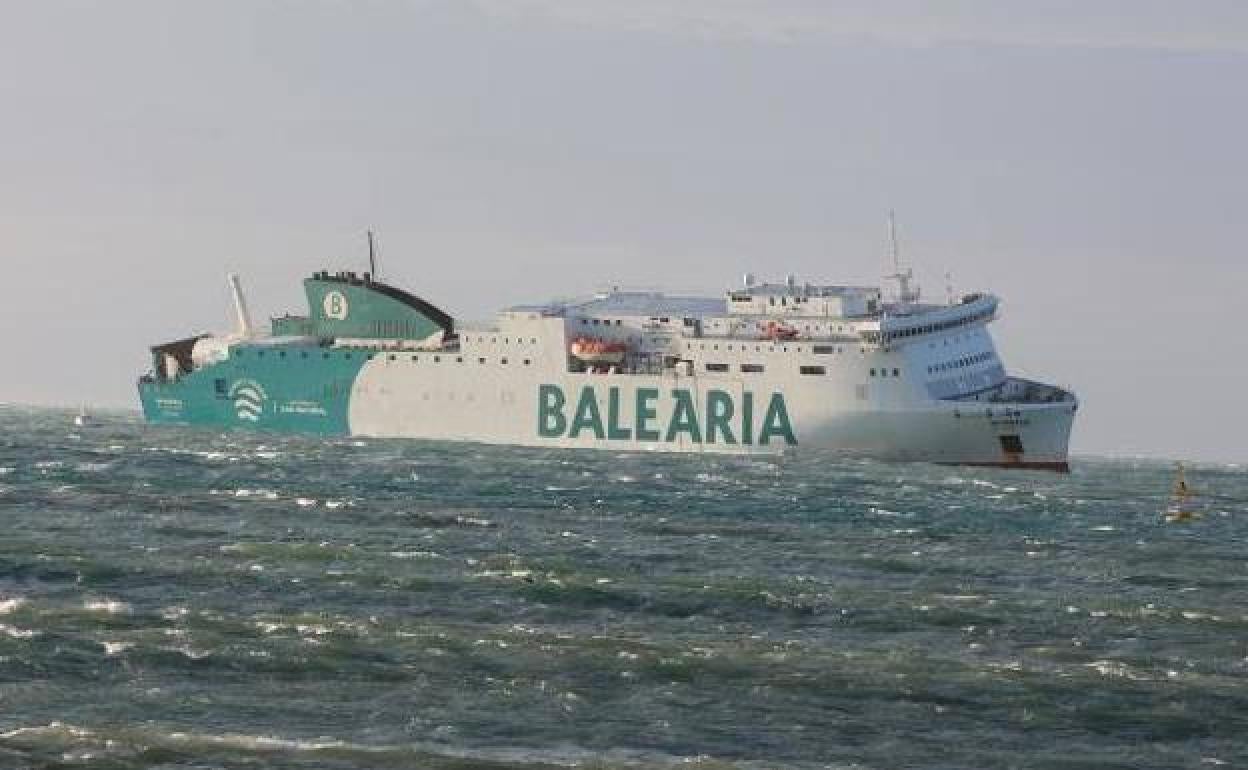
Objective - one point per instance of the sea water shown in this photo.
(190, 598)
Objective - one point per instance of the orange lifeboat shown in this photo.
(592, 350)
(775, 330)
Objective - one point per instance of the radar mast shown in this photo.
(906, 293)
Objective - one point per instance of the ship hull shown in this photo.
(443, 397)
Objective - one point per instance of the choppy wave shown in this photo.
(184, 598)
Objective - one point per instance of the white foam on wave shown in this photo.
(174, 613)
(1116, 669)
(115, 648)
(266, 494)
(17, 633)
(52, 728)
(110, 606)
(188, 652)
(9, 605)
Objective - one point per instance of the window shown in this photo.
(437, 359)
(393, 357)
(812, 370)
(304, 354)
(502, 360)
(527, 362)
(480, 360)
(260, 354)
(717, 367)
(896, 372)
(872, 372)
(219, 385)
(324, 355)
(823, 350)
(281, 354)
(755, 368)
(415, 358)
(459, 359)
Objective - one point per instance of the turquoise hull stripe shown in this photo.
(294, 388)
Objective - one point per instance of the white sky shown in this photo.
(1085, 160)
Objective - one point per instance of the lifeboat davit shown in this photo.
(774, 330)
(592, 350)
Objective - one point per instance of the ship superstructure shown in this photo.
(765, 367)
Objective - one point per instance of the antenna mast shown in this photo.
(372, 256)
(903, 277)
(892, 239)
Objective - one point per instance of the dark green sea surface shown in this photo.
(187, 599)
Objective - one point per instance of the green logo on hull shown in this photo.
(720, 421)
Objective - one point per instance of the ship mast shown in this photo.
(372, 256)
(905, 294)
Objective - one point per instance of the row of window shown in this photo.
(817, 328)
(602, 321)
(506, 340)
(757, 368)
(817, 349)
(960, 363)
(391, 357)
(938, 326)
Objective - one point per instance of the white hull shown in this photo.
(496, 404)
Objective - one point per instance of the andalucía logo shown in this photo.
(248, 397)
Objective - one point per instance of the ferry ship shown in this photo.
(762, 368)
